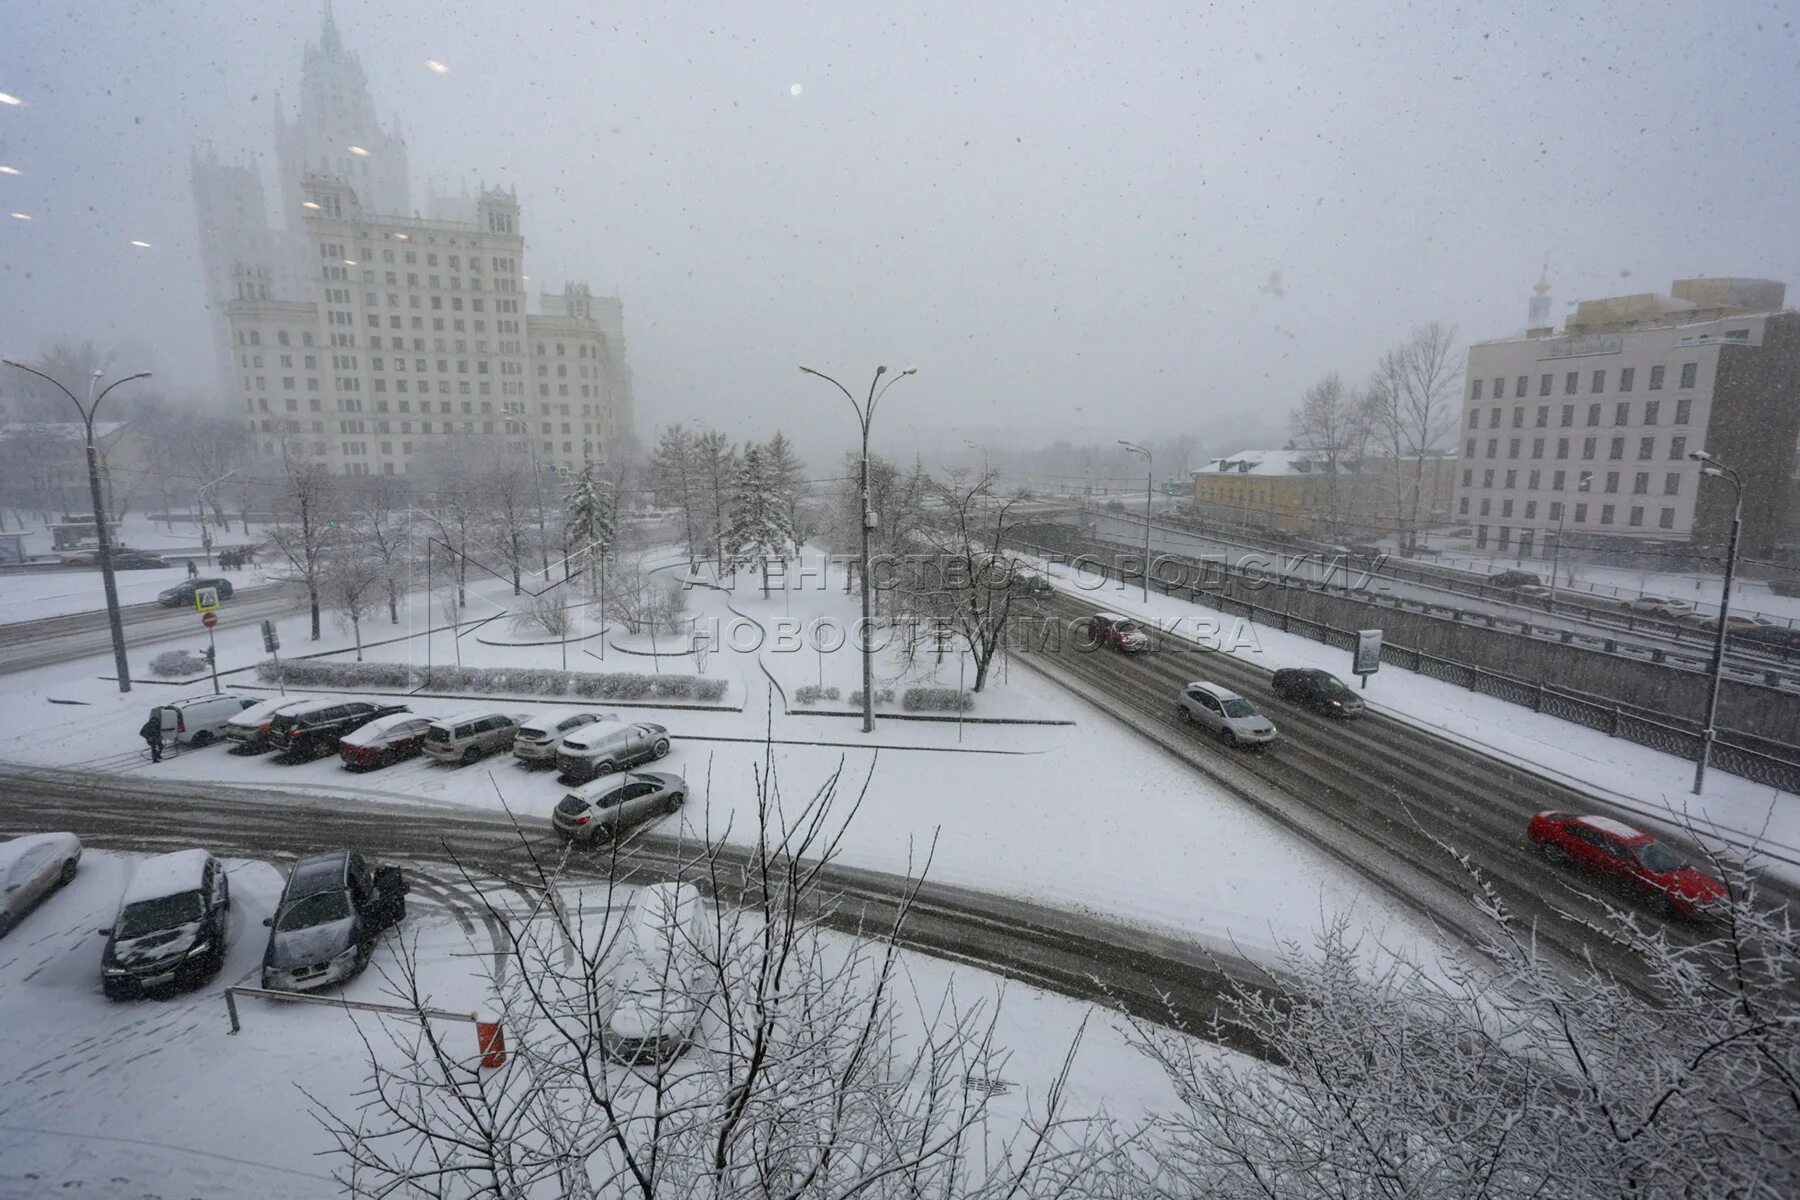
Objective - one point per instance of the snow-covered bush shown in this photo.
(882, 696)
(811, 693)
(936, 699)
(177, 664)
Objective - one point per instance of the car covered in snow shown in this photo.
(468, 736)
(248, 731)
(316, 728)
(385, 740)
(660, 982)
(608, 746)
(538, 739)
(199, 720)
(170, 929)
(332, 910)
(31, 867)
(1628, 858)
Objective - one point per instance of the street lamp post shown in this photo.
(865, 414)
(120, 666)
(1587, 481)
(1149, 483)
(1718, 470)
(200, 504)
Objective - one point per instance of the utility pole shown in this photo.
(1149, 483)
(865, 414)
(1562, 512)
(121, 667)
(1718, 470)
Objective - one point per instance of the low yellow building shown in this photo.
(1266, 489)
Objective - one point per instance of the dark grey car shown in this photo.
(330, 914)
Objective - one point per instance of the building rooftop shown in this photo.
(1264, 463)
(1688, 302)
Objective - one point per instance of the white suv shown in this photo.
(538, 739)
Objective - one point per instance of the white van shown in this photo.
(662, 982)
(198, 720)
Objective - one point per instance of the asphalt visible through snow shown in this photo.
(1160, 979)
(25, 645)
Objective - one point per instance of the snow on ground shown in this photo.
(1084, 816)
(1654, 785)
(155, 1098)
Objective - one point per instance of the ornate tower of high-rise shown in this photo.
(232, 215)
(1537, 319)
(336, 133)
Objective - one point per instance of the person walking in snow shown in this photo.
(193, 571)
(152, 735)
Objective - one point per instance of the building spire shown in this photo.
(329, 38)
(1538, 308)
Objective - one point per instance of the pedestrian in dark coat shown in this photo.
(193, 571)
(152, 735)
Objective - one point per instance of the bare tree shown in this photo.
(451, 471)
(1414, 404)
(381, 523)
(761, 1056)
(507, 489)
(351, 584)
(1330, 426)
(1505, 1076)
(304, 529)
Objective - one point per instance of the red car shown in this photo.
(384, 740)
(1631, 857)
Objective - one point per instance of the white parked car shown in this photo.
(661, 981)
(31, 867)
(1225, 714)
(472, 735)
(200, 720)
(250, 728)
(605, 747)
(538, 739)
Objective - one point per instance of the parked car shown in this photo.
(1225, 714)
(1514, 579)
(1318, 690)
(1120, 632)
(660, 984)
(1658, 606)
(331, 911)
(1780, 637)
(537, 740)
(249, 729)
(31, 867)
(472, 735)
(200, 720)
(315, 728)
(1628, 857)
(170, 931)
(182, 594)
(609, 746)
(599, 811)
(1735, 624)
(1532, 593)
(383, 741)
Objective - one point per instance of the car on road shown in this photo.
(1626, 857)
(536, 742)
(315, 728)
(660, 982)
(384, 741)
(1225, 714)
(1514, 579)
(199, 720)
(249, 729)
(122, 560)
(31, 867)
(182, 594)
(1735, 625)
(1778, 637)
(608, 746)
(1120, 632)
(1658, 606)
(1318, 690)
(1532, 593)
(170, 930)
(599, 811)
(472, 735)
(332, 910)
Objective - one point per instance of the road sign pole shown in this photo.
(212, 652)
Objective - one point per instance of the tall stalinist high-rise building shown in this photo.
(423, 321)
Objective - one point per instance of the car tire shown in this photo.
(603, 767)
(203, 738)
(1556, 854)
(1183, 715)
(1661, 903)
(66, 874)
(468, 756)
(673, 802)
(660, 749)
(1227, 737)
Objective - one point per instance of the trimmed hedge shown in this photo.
(812, 693)
(177, 664)
(618, 685)
(936, 699)
(882, 696)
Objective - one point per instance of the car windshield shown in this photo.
(148, 916)
(1659, 858)
(1331, 685)
(320, 909)
(1239, 707)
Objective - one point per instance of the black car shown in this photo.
(170, 931)
(314, 729)
(331, 911)
(1778, 637)
(1318, 690)
(183, 592)
(1514, 579)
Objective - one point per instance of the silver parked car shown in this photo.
(598, 811)
(472, 735)
(538, 739)
(1224, 713)
(605, 747)
(31, 867)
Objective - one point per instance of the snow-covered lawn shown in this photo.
(156, 1098)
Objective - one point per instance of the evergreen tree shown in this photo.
(760, 528)
(786, 479)
(589, 521)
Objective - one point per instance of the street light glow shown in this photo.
(6, 170)
(9, 99)
(436, 67)
(18, 216)
(359, 152)
(312, 204)
(402, 237)
(351, 262)
(140, 245)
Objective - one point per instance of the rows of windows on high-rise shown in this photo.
(1596, 380)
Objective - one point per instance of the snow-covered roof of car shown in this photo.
(362, 735)
(1618, 829)
(165, 875)
(1217, 691)
(16, 848)
(318, 873)
(256, 714)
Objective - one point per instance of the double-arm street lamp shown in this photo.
(1149, 482)
(1562, 512)
(1715, 469)
(122, 668)
(200, 505)
(865, 414)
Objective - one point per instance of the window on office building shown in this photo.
(1672, 484)
(1667, 519)
(1571, 383)
(1606, 514)
(1599, 383)
(1656, 378)
(1640, 483)
(1627, 376)
(1689, 372)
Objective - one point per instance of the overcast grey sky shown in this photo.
(1138, 222)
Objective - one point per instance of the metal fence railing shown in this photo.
(1772, 764)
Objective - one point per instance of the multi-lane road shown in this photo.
(25, 645)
